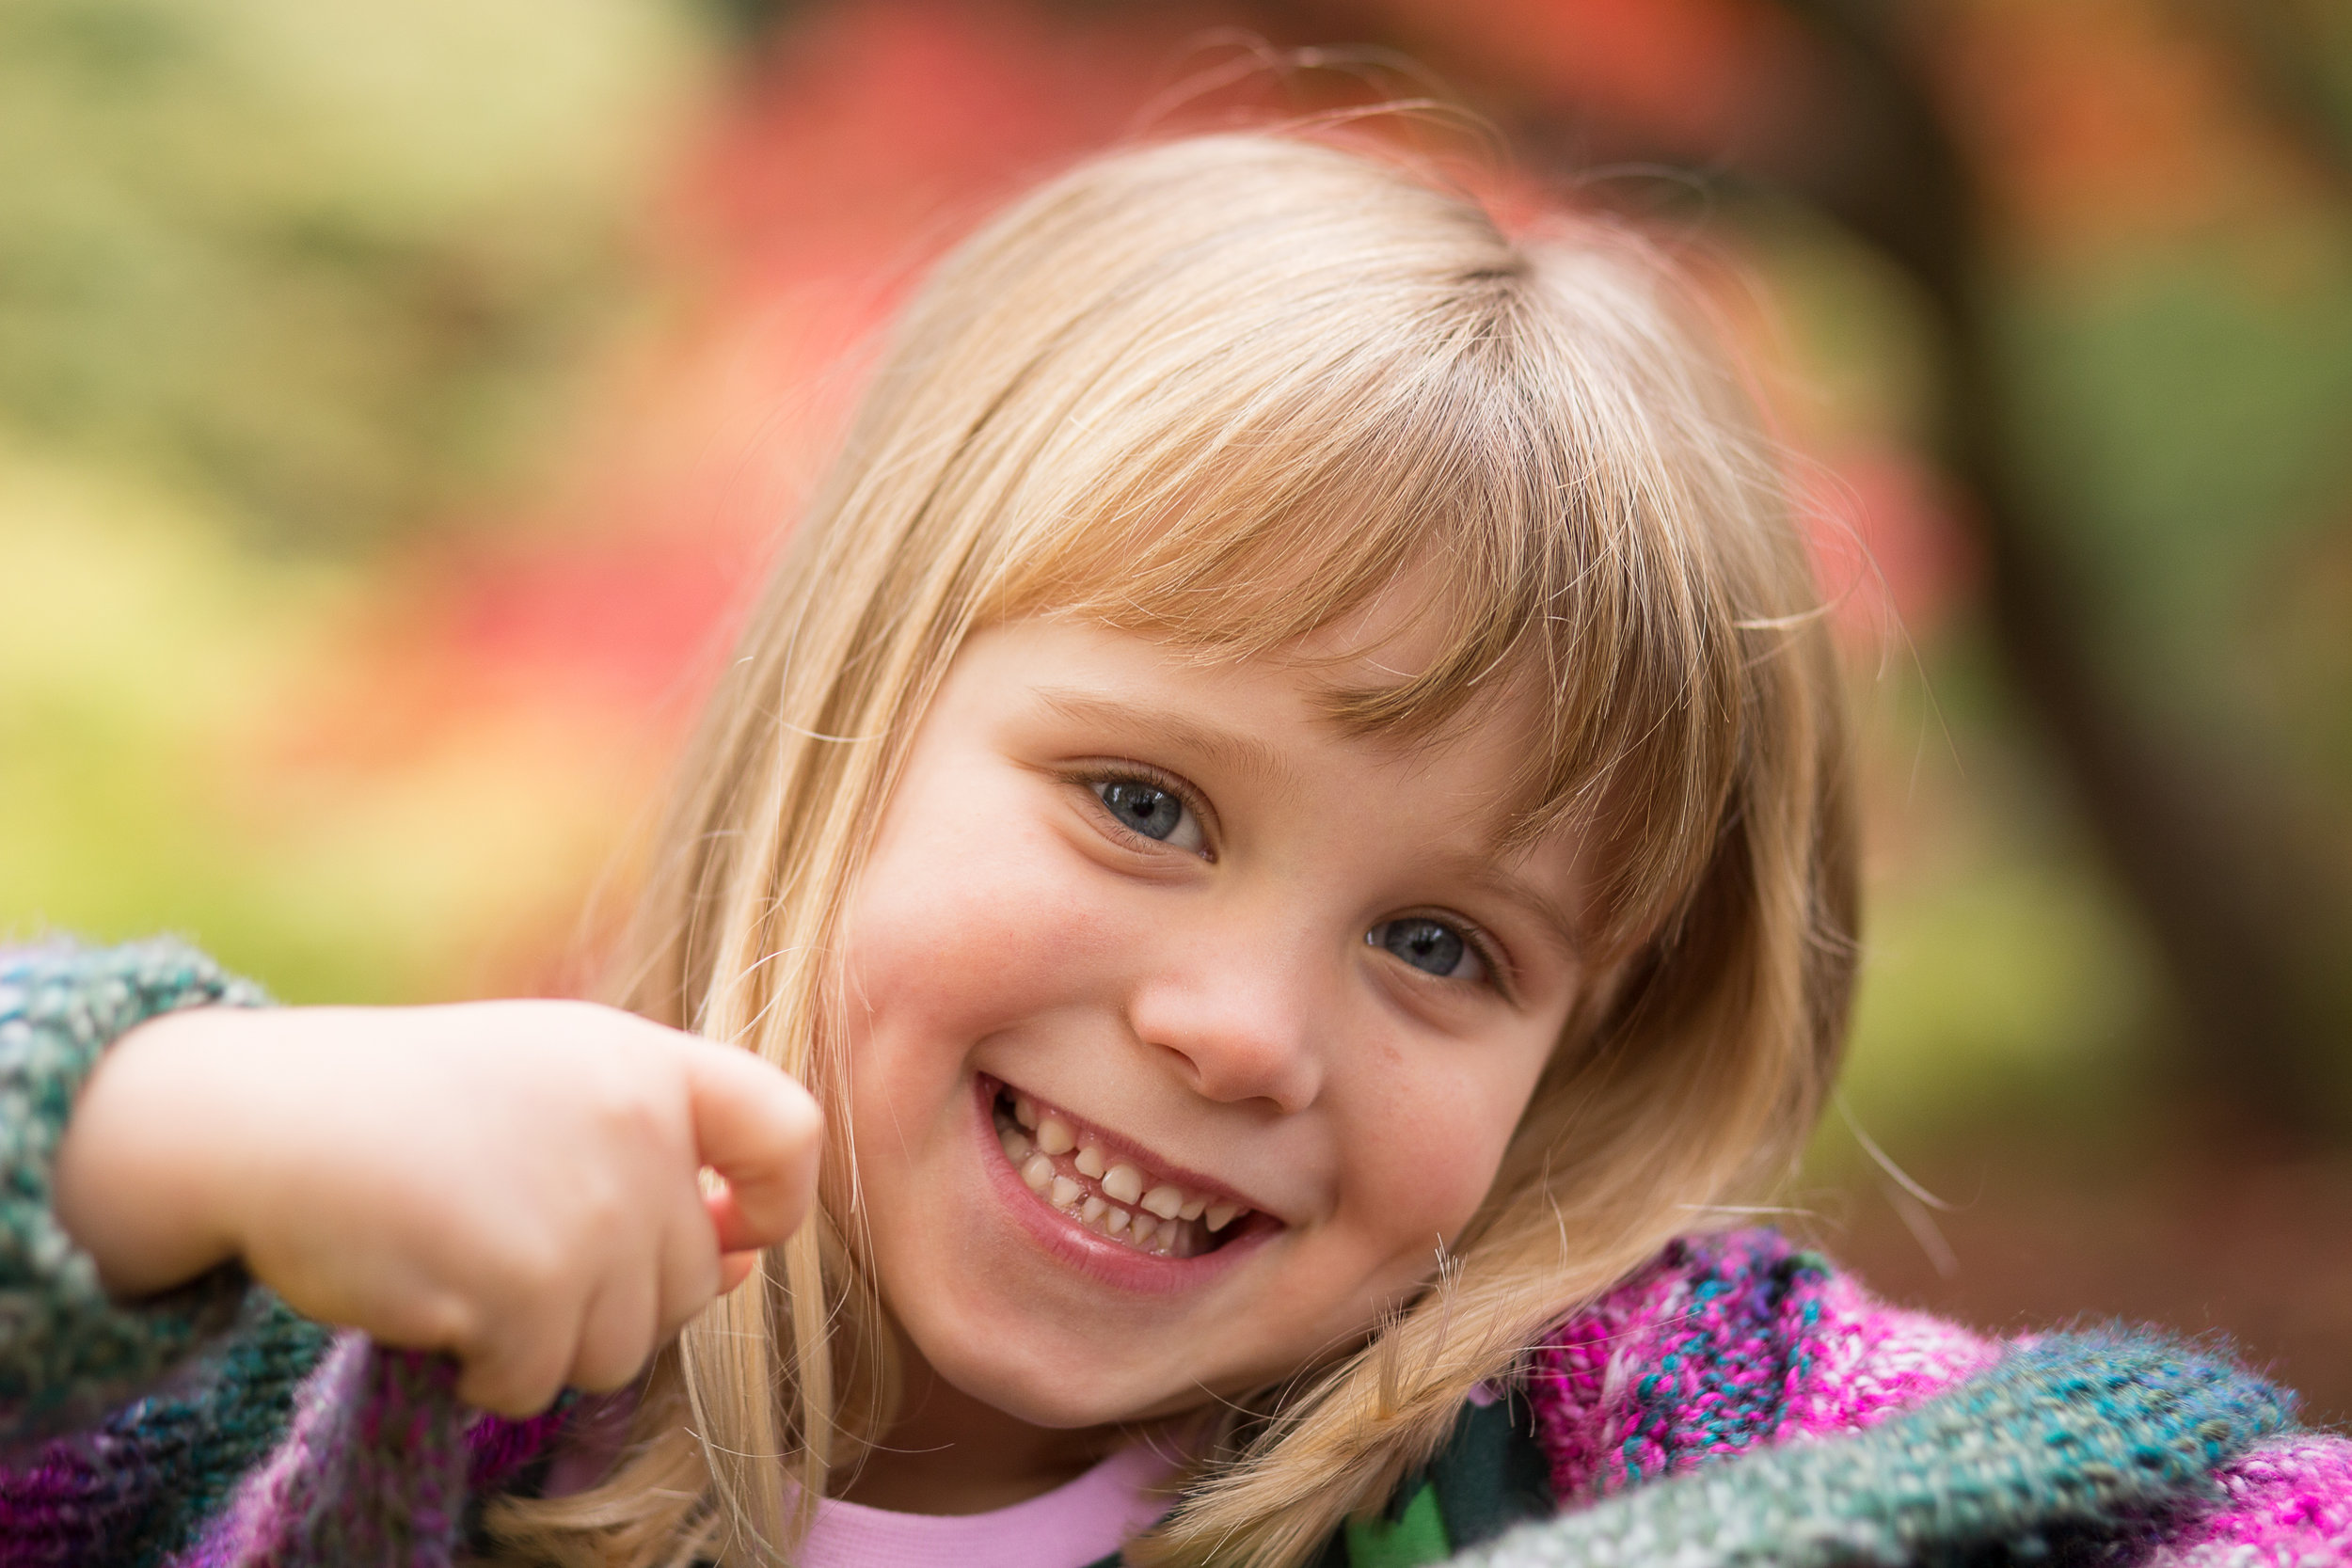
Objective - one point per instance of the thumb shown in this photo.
(761, 1132)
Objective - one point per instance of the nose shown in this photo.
(1239, 1010)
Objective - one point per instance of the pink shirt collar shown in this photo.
(1077, 1524)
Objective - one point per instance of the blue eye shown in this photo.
(1143, 807)
(1429, 945)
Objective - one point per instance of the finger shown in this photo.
(616, 1334)
(759, 1131)
(735, 1268)
(688, 1267)
(520, 1372)
(734, 1232)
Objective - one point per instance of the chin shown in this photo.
(1048, 1379)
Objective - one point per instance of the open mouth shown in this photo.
(1100, 1182)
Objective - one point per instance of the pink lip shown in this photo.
(1113, 1263)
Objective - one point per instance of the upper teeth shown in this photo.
(1167, 1205)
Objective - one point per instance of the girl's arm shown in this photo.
(513, 1183)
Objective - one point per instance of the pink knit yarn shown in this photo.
(2288, 1505)
(1584, 1361)
(1873, 1360)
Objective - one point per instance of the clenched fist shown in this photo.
(517, 1183)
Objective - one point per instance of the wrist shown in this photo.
(142, 1172)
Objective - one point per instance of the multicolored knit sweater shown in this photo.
(1738, 1403)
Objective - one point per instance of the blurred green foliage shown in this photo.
(318, 261)
(2005, 980)
(140, 645)
(2189, 421)
(185, 746)
(283, 282)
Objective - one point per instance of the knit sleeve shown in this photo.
(67, 1350)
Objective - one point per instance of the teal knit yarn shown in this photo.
(70, 1352)
(2083, 1438)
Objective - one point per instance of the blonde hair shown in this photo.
(1222, 390)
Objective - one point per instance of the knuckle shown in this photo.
(602, 1211)
(533, 1270)
(595, 1206)
(444, 1320)
(626, 1105)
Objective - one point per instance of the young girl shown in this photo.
(1288, 806)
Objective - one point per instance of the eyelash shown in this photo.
(1480, 942)
(1490, 955)
(1144, 773)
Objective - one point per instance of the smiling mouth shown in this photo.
(1101, 1185)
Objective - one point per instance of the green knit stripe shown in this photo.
(68, 1352)
(2074, 1433)
(168, 1462)
(1414, 1538)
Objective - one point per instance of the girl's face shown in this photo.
(1186, 1029)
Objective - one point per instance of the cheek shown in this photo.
(968, 930)
(1425, 1145)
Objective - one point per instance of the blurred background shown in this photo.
(397, 404)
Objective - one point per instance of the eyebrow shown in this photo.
(1228, 749)
(1548, 911)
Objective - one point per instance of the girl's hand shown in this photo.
(516, 1183)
